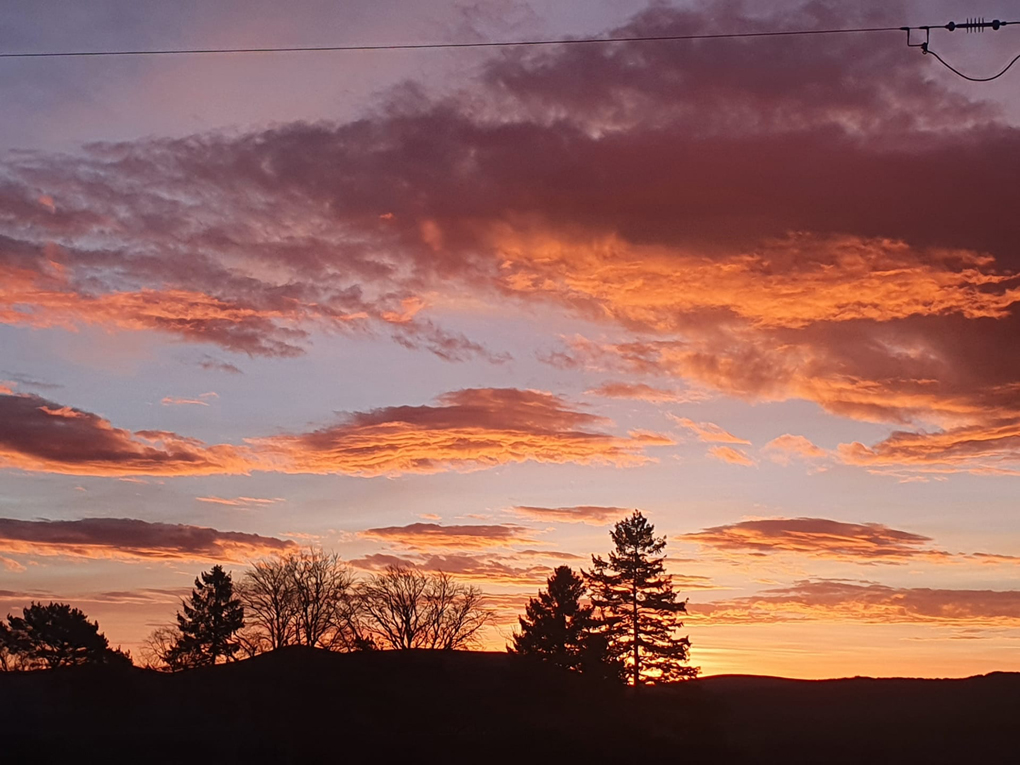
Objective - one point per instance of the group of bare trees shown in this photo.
(312, 598)
(406, 608)
(305, 599)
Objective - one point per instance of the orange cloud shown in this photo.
(817, 537)
(9, 564)
(787, 447)
(38, 435)
(130, 539)
(418, 536)
(731, 455)
(789, 282)
(771, 286)
(753, 368)
(595, 515)
(987, 449)
(865, 543)
(50, 300)
(468, 430)
(868, 603)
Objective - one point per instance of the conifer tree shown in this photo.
(640, 608)
(557, 628)
(211, 616)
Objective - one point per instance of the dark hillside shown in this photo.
(305, 705)
(866, 720)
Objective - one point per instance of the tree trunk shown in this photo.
(637, 666)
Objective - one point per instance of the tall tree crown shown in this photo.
(639, 605)
(208, 620)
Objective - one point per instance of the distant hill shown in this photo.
(303, 705)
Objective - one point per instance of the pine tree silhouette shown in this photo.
(557, 628)
(208, 621)
(640, 608)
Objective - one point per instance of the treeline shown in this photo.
(312, 598)
(619, 620)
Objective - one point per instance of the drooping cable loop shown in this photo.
(957, 72)
(976, 24)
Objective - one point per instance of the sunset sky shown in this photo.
(466, 309)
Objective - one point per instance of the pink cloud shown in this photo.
(786, 447)
(708, 431)
(867, 603)
(595, 515)
(463, 537)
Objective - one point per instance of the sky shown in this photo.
(466, 309)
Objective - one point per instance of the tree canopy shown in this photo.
(54, 635)
(558, 628)
(208, 621)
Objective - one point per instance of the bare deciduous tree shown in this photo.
(304, 599)
(407, 608)
(270, 606)
(325, 601)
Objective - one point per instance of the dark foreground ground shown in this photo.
(301, 705)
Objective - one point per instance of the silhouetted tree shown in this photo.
(55, 635)
(305, 599)
(208, 620)
(640, 609)
(557, 628)
(407, 608)
(269, 596)
(326, 603)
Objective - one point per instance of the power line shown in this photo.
(454, 46)
(971, 25)
(956, 71)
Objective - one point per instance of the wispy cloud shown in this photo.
(732, 456)
(708, 431)
(240, 501)
(202, 400)
(596, 515)
(464, 537)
